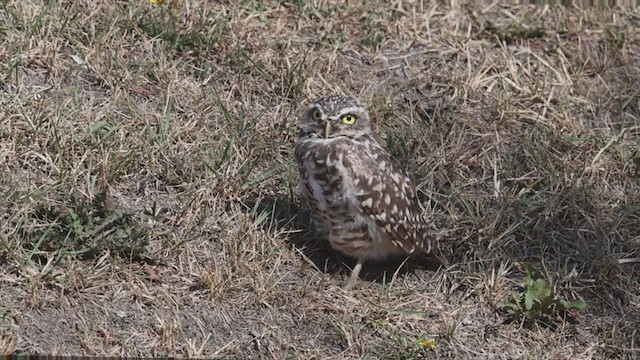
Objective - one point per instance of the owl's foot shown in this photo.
(354, 277)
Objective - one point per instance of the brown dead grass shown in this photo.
(147, 185)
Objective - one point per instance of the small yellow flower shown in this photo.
(156, 1)
(426, 343)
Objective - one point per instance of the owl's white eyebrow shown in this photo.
(352, 110)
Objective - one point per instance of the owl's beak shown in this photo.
(327, 125)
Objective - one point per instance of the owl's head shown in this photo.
(334, 116)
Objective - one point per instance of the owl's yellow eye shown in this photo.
(348, 119)
(316, 115)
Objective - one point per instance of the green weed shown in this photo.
(539, 301)
(80, 228)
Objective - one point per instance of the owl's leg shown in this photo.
(353, 278)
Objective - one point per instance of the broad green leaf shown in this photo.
(574, 305)
(538, 292)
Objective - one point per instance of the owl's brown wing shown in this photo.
(385, 193)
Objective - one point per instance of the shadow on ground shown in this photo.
(295, 220)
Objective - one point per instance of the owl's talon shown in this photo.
(354, 277)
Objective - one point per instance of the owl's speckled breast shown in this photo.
(326, 167)
(323, 165)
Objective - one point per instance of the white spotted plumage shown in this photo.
(360, 198)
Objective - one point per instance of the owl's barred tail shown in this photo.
(437, 254)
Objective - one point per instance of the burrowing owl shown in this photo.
(361, 200)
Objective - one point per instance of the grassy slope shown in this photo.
(147, 191)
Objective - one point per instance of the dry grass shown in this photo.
(147, 185)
